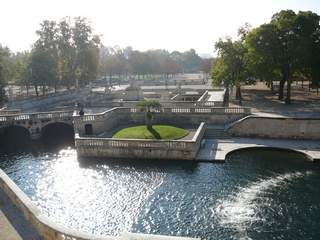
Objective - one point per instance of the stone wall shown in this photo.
(181, 116)
(140, 149)
(277, 127)
(102, 102)
(51, 101)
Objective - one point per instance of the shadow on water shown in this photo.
(139, 164)
(54, 137)
(57, 136)
(14, 139)
(271, 159)
(271, 153)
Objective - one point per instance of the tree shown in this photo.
(43, 69)
(22, 70)
(87, 48)
(4, 72)
(309, 46)
(230, 68)
(66, 53)
(149, 107)
(190, 61)
(315, 60)
(283, 47)
(48, 43)
(205, 67)
(263, 55)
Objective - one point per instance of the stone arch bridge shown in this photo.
(36, 123)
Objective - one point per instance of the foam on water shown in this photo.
(240, 210)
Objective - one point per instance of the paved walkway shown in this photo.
(216, 150)
(13, 226)
(289, 114)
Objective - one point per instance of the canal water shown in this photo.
(254, 195)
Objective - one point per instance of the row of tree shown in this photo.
(285, 49)
(124, 62)
(68, 54)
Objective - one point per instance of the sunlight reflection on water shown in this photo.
(84, 198)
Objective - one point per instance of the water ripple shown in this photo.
(241, 209)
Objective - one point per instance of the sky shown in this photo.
(144, 24)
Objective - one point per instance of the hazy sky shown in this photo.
(144, 24)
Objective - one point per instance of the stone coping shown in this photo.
(52, 231)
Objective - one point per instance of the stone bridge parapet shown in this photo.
(35, 122)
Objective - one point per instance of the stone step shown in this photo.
(214, 133)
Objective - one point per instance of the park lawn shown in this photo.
(164, 132)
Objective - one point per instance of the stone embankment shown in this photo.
(48, 230)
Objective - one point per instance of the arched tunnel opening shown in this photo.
(57, 135)
(14, 137)
(269, 155)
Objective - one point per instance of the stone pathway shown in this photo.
(13, 225)
(216, 150)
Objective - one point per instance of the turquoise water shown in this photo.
(254, 195)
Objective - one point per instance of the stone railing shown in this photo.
(52, 231)
(36, 116)
(140, 148)
(131, 143)
(208, 110)
(167, 104)
(4, 112)
(192, 110)
(203, 97)
(98, 116)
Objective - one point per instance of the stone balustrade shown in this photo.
(4, 112)
(140, 148)
(195, 110)
(36, 116)
(131, 143)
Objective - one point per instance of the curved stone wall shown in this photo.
(276, 127)
(52, 231)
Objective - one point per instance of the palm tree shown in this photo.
(149, 107)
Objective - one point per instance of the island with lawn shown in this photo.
(139, 133)
(164, 132)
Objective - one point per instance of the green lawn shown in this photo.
(160, 132)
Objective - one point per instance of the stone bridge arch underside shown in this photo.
(51, 134)
(57, 131)
(282, 152)
(36, 126)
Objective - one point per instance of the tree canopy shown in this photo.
(5, 66)
(68, 54)
(286, 47)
